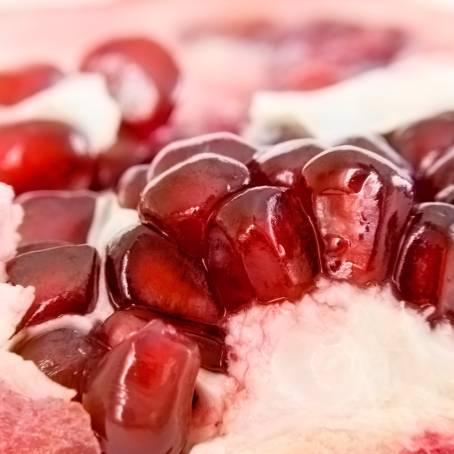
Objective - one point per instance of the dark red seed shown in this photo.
(65, 280)
(422, 142)
(282, 164)
(222, 143)
(140, 396)
(180, 201)
(142, 77)
(209, 338)
(56, 216)
(377, 145)
(424, 270)
(65, 355)
(43, 155)
(20, 83)
(110, 164)
(359, 203)
(439, 175)
(143, 268)
(261, 246)
(131, 184)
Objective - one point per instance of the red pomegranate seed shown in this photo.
(180, 200)
(209, 338)
(377, 145)
(282, 164)
(439, 176)
(43, 155)
(426, 263)
(222, 143)
(65, 280)
(142, 77)
(359, 203)
(131, 184)
(422, 142)
(111, 163)
(56, 216)
(20, 83)
(140, 396)
(146, 269)
(65, 355)
(261, 246)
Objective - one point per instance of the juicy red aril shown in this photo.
(65, 355)
(140, 396)
(439, 175)
(180, 201)
(110, 164)
(420, 143)
(65, 280)
(141, 76)
(131, 184)
(359, 204)
(20, 83)
(43, 155)
(424, 270)
(261, 246)
(282, 164)
(377, 145)
(53, 216)
(222, 143)
(143, 268)
(210, 339)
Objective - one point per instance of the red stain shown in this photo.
(431, 443)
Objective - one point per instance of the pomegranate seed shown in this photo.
(20, 83)
(43, 155)
(140, 396)
(180, 200)
(446, 195)
(425, 265)
(282, 164)
(131, 184)
(439, 175)
(65, 280)
(222, 143)
(65, 355)
(422, 142)
(359, 203)
(141, 76)
(146, 269)
(56, 216)
(377, 145)
(261, 246)
(210, 339)
(111, 163)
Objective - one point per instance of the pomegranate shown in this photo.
(131, 184)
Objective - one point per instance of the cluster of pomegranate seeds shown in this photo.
(180, 205)
(56, 216)
(30, 149)
(140, 396)
(65, 355)
(65, 280)
(20, 83)
(423, 274)
(144, 268)
(210, 338)
(142, 77)
(359, 204)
